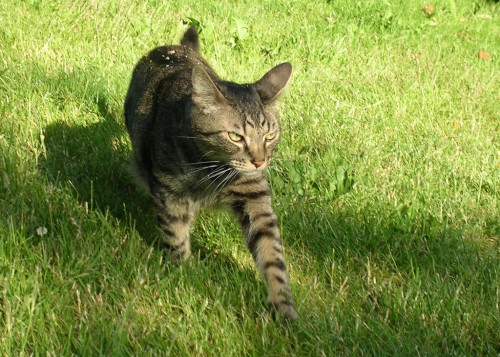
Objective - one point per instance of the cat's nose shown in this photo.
(258, 163)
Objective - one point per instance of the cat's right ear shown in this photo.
(272, 85)
(206, 96)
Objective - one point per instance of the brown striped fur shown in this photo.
(200, 141)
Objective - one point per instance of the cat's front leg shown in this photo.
(263, 239)
(174, 216)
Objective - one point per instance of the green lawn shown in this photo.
(387, 182)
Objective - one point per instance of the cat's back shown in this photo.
(164, 66)
(163, 75)
(161, 82)
(166, 60)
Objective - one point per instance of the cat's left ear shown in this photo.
(205, 94)
(272, 85)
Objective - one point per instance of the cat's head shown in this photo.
(238, 124)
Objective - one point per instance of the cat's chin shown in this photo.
(250, 172)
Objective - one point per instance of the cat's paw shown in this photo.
(176, 255)
(284, 310)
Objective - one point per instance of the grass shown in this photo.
(386, 183)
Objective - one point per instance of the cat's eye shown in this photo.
(270, 136)
(235, 137)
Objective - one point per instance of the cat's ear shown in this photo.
(206, 95)
(271, 86)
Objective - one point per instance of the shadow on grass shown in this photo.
(420, 243)
(92, 160)
(394, 277)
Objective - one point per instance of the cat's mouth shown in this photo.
(250, 168)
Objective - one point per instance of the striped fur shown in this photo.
(200, 141)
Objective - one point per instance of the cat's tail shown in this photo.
(190, 39)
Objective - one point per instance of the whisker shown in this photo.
(221, 184)
(216, 177)
(201, 169)
(199, 163)
(215, 174)
(229, 178)
(188, 137)
(205, 154)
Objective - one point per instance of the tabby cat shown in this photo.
(200, 141)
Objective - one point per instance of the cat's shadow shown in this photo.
(91, 160)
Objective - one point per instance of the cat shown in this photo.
(199, 141)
